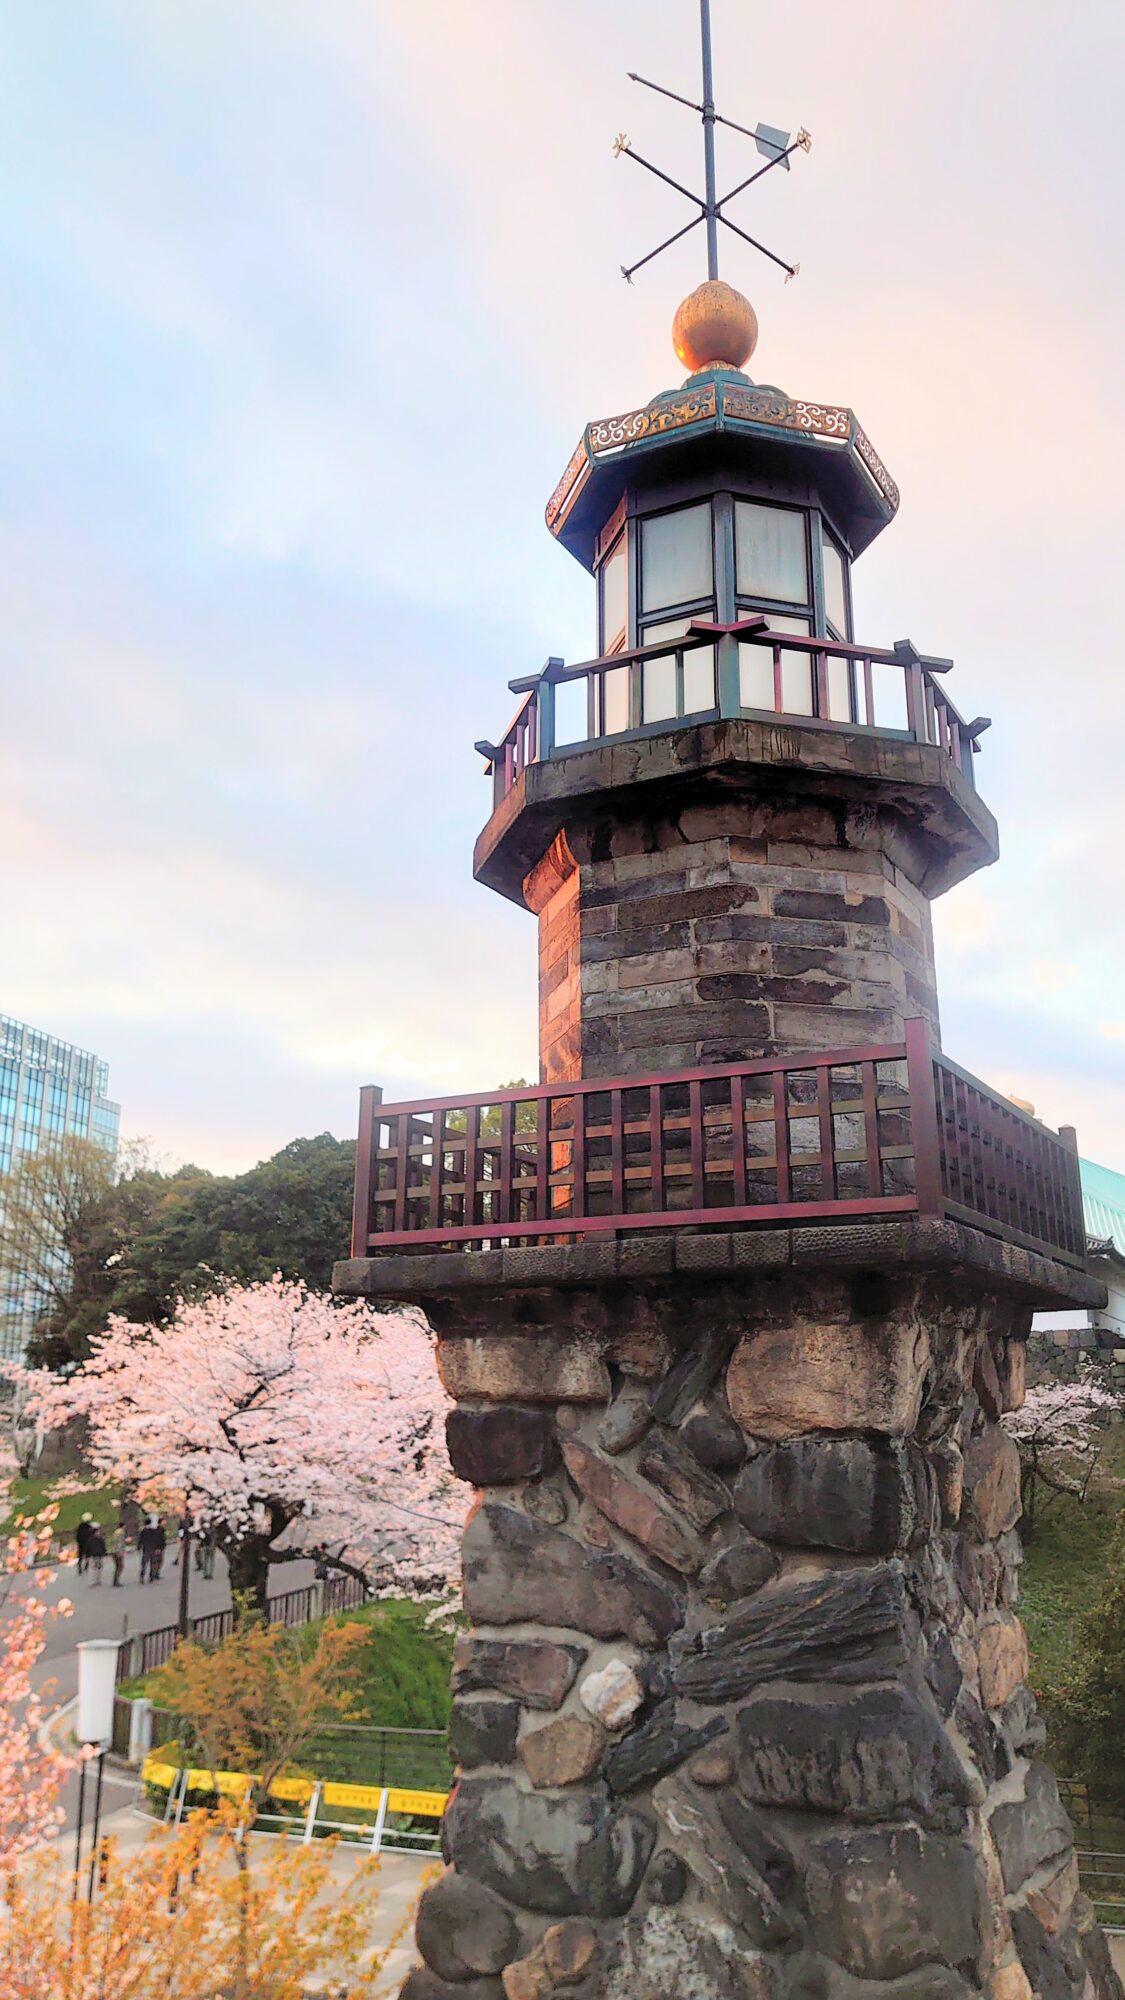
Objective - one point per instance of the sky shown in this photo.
(304, 308)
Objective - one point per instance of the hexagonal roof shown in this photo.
(825, 440)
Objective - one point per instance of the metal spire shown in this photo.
(775, 145)
(709, 141)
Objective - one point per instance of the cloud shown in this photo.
(308, 309)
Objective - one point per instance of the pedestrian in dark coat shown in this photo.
(96, 1552)
(146, 1542)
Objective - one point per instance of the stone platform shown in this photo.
(742, 1708)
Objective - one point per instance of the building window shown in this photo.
(698, 687)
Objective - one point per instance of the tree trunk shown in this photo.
(249, 1565)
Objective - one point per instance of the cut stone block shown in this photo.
(785, 1381)
(511, 1368)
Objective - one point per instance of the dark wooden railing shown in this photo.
(143, 1652)
(811, 1138)
(896, 691)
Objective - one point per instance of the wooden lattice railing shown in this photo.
(811, 1138)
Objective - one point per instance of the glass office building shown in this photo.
(47, 1090)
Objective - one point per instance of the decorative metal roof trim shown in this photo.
(717, 402)
(874, 464)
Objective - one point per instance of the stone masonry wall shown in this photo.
(721, 932)
(1067, 1354)
(552, 891)
(741, 1709)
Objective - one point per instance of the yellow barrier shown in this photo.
(423, 1805)
(299, 1791)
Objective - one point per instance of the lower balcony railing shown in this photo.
(891, 1130)
(894, 691)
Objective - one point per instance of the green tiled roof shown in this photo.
(1103, 1203)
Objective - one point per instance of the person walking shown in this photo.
(117, 1551)
(96, 1551)
(146, 1542)
(82, 1541)
(159, 1543)
(207, 1545)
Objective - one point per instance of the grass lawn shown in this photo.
(404, 1668)
(1065, 1566)
(29, 1496)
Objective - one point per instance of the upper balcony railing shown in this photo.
(757, 672)
(817, 1138)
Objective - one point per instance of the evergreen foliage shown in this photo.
(135, 1239)
(1089, 1705)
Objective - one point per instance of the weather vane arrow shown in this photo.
(777, 147)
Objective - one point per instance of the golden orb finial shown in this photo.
(715, 327)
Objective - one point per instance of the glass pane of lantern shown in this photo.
(614, 597)
(699, 679)
(839, 691)
(676, 557)
(835, 598)
(769, 552)
(668, 628)
(615, 699)
(796, 669)
(571, 711)
(796, 684)
(755, 675)
(658, 688)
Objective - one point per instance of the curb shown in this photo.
(47, 1737)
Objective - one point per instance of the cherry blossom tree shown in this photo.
(290, 1425)
(1059, 1432)
(31, 1774)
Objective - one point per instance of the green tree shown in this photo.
(95, 1237)
(67, 1214)
(1089, 1708)
(291, 1213)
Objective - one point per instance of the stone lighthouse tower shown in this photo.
(732, 1303)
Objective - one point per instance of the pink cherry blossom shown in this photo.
(1059, 1432)
(287, 1423)
(31, 1774)
(1062, 1416)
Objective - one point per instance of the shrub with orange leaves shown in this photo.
(256, 1699)
(198, 1912)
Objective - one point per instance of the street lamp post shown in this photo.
(184, 1621)
(97, 1683)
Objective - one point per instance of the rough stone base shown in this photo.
(742, 1711)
